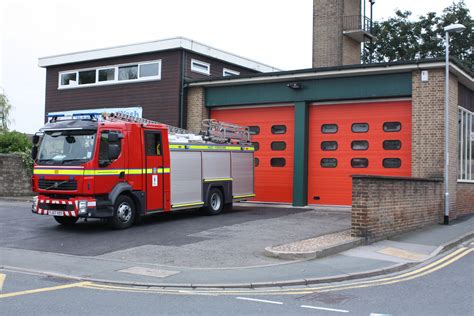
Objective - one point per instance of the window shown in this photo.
(256, 162)
(200, 67)
(392, 126)
(153, 144)
(227, 72)
(329, 129)
(392, 144)
(69, 79)
(359, 162)
(254, 130)
(277, 162)
(329, 145)
(329, 163)
(104, 147)
(360, 145)
(392, 163)
(107, 74)
(466, 145)
(128, 72)
(360, 128)
(256, 146)
(87, 77)
(149, 70)
(278, 145)
(279, 129)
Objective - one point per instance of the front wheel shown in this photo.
(124, 213)
(66, 221)
(215, 202)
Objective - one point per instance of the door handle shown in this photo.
(122, 175)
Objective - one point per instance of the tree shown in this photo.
(5, 111)
(399, 38)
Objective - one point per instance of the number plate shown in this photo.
(56, 213)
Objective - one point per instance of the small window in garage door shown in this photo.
(392, 126)
(360, 128)
(359, 162)
(392, 163)
(278, 145)
(329, 162)
(278, 162)
(279, 129)
(392, 144)
(360, 145)
(254, 130)
(329, 145)
(329, 128)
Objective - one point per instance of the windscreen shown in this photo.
(66, 147)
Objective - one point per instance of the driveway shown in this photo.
(236, 238)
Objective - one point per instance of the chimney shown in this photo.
(339, 27)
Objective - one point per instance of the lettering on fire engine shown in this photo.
(154, 180)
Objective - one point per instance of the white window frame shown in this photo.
(202, 64)
(466, 137)
(229, 72)
(109, 82)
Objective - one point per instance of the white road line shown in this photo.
(325, 309)
(256, 300)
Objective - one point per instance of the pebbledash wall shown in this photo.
(15, 180)
(349, 83)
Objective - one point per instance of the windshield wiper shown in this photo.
(72, 159)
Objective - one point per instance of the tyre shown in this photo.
(215, 202)
(66, 221)
(124, 213)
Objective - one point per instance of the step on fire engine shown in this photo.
(118, 167)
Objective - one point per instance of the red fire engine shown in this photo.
(119, 168)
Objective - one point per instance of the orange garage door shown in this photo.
(273, 137)
(359, 138)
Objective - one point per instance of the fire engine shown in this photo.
(119, 168)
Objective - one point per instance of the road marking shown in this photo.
(2, 279)
(45, 289)
(424, 270)
(257, 300)
(325, 309)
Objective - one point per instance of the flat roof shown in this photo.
(456, 67)
(154, 46)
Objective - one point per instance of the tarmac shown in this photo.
(384, 257)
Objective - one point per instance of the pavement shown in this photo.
(231, 240)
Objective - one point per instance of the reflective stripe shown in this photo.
(59, 172)
(218, 179)
(212, 147)
(187, 204)
(99, 172)
(243, 196)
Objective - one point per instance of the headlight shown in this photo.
(35, 203)
(82, 207)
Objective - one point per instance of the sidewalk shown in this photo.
(364, 261)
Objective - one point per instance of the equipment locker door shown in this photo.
(154, 171)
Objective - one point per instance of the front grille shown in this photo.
(57, 185)
(56, 207)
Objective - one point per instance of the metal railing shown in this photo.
(357, 22)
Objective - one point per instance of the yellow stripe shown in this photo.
(210, 147)
(104, 172)
(177, 146)
(218, 179)
(45, 289)
(58, 172)
(187, 204)
(243, 196)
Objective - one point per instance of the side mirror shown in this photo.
(34, 152)
(36, 138)
(113, 151)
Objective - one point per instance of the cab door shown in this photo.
(154, 171)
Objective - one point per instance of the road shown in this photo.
(442, 287)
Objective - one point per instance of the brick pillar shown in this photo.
(196, 110)
(330, 46)
(428, 128)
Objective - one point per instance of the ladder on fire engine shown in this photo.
(212, 130)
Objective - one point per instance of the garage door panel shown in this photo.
(333, 186)
(272, 183)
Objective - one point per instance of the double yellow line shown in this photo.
(420, 272)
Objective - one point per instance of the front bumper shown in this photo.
(44, 205)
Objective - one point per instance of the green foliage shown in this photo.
(17, 143)
(5, 111)
(401, 39)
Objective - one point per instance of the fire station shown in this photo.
(313, 129)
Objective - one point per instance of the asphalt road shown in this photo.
(444, 287)
(235, 238)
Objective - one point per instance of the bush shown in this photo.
(18, 143)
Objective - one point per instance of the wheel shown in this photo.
(66, 221)
(215, 202)
(124, 213)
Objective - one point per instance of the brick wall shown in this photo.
(428, 128)
(465, 199)
(15, 180)
(387, 206)
(196, 110)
